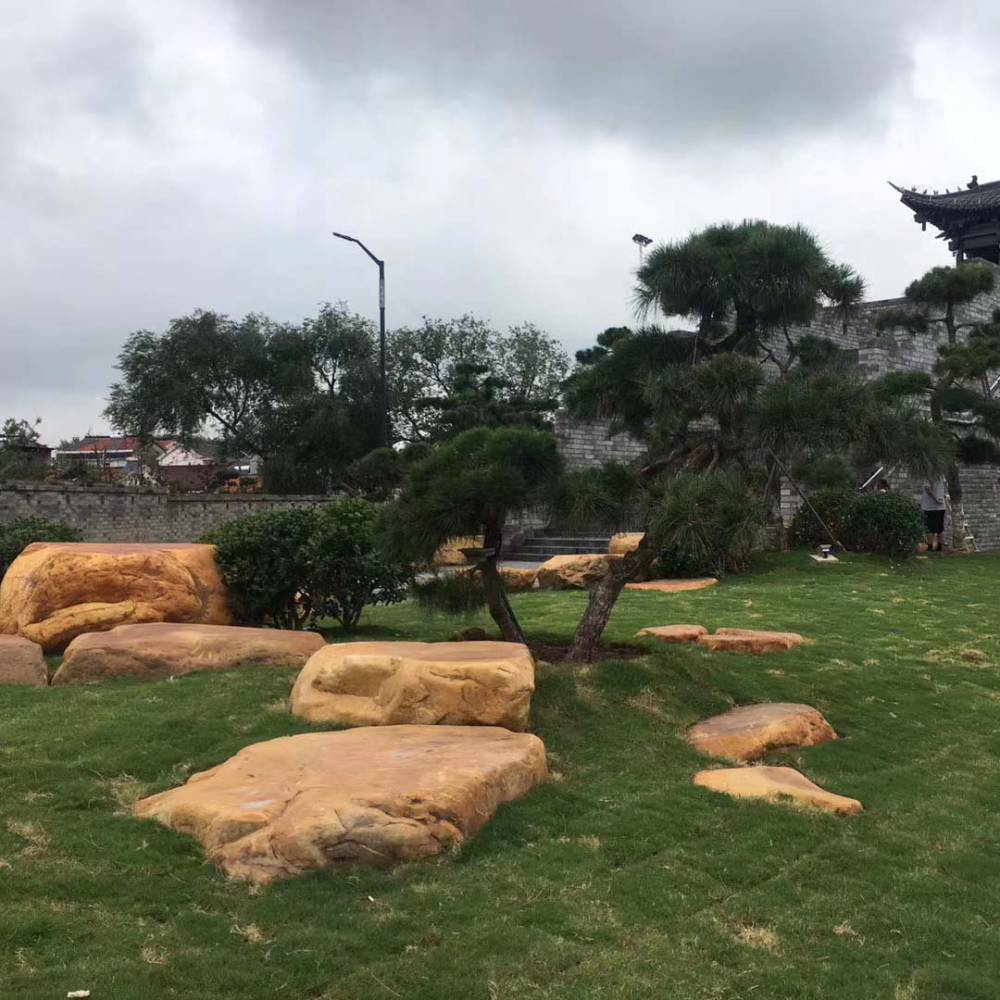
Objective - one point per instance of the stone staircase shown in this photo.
(538, 548)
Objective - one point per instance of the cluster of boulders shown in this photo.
(439, 743)
(439, 748)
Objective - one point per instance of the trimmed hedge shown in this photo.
(884, 523)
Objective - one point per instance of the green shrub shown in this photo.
(709, 523)
(451, 593)
(347, 569)
(15, 535)
(886, 523)
(834, 507)
(294, 568)
(376, 476)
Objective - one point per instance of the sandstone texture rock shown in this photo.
(22, 662)
(673, 586)
(772, 783)
(673, 633)
(450, 554)
(748, 640)
(574, 571)
(365, 796)
(55, 591)
(427, 683)
(517, 578)
(624, 542)
(748, 732)
(163, 649)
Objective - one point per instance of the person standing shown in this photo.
(932, 504)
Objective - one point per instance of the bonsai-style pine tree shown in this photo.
(468, 486)
(960, 392)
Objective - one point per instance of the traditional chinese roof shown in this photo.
(970, 201)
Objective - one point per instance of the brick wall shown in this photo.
(117, 514)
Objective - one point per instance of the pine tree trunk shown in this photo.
(496, 591)
(604, 596)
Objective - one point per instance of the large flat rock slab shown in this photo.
(753, 641)
(673, 633)
(375, 796)
(164, 649)
(55, 591)
(574, 571)
(22, 662)
(775, 784)
(426, 683)
(673, 586)
(748, 732)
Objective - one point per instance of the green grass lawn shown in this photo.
(615, 879)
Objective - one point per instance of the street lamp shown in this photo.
(641, 242)
(386, 432)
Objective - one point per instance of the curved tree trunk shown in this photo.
(954, 480)
(496, 591)
(604, 596)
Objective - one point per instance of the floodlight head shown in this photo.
(640, 240)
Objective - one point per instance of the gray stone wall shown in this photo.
(588, 444)
(117, 514)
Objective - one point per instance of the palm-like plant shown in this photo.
(844, 289)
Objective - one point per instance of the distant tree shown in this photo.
(467, 487)
(304, 398)
(446, 375)
(844, 289)
(959, 392)
(19, 433)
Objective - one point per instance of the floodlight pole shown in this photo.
(386, 429)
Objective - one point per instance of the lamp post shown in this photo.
(641, 242)
(386, 431)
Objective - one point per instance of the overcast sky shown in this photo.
(159, 157)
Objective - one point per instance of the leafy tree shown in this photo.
(18, 433)
(450, 375)
(303, 398)
(376, 475)
(959, 394)
(468, 486)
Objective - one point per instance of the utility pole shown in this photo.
(386, 426)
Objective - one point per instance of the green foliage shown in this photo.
(884, 523)
(825, 472)
(896, 385)
(975, 450)
(18, 433)
(951, 286)
(761, 275)
(834, 507)
(304, 398)
(901, 319)
(451, 375)
(603, 498)
(468, 485)
(708, 523)
(377, 475)
(15, 535)
(294, 568)
(881, 523)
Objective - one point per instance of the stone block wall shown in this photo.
(589, 444)
(119, 514)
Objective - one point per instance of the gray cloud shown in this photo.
(158, 158)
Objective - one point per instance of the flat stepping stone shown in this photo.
(574, 572)
(673, 586)
(165, 649)
(365, 796)
(748, 732)
(55, 591)
(22, 662)
(776, 783)
(426, 683)
(753, 641)
(673, 633)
